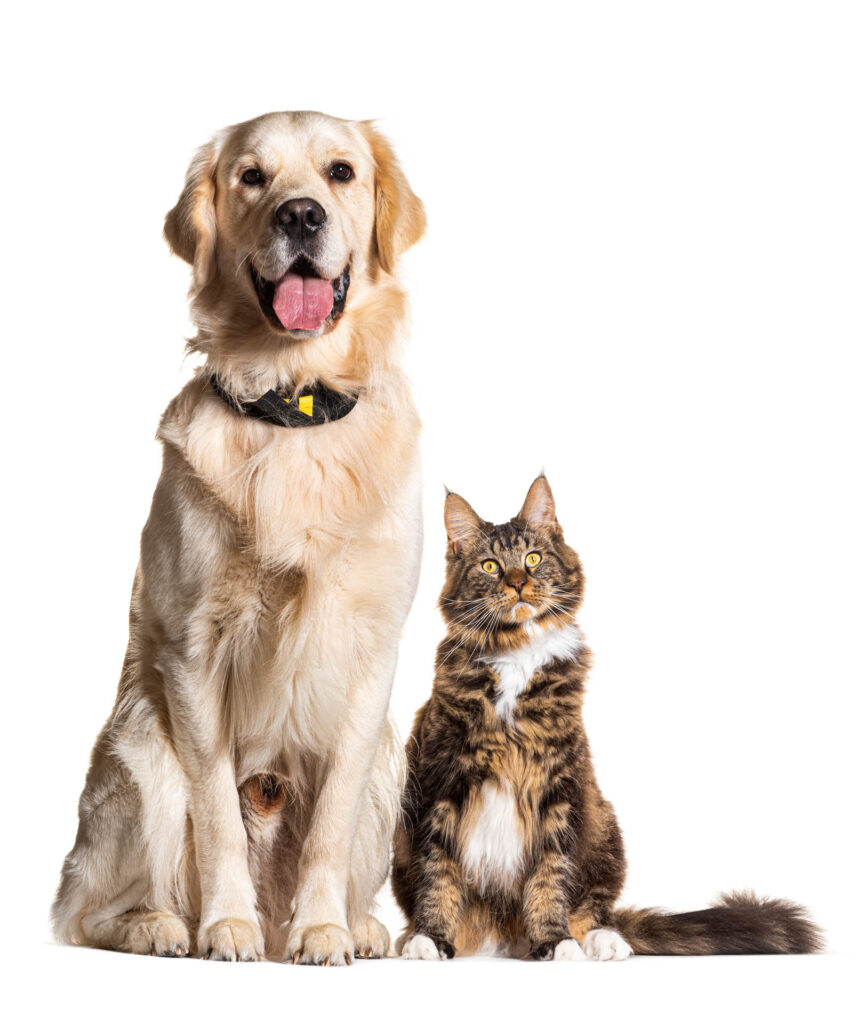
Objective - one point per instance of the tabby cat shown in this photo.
(506, 843)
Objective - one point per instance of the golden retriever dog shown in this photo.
(242, 795)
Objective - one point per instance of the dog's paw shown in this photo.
(606, 944)
(325, 945)
(422, 947)
(232, 938)
(156, 933)
(371, 939)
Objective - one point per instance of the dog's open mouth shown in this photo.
(301, 300)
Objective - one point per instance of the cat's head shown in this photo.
(501, 579)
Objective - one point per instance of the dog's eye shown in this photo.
(341, 172)
(490, 566)
(253, 176)
(532, 559)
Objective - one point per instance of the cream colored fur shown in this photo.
(277, 568)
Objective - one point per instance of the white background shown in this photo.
(643, 272)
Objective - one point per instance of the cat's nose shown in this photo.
(515, 578)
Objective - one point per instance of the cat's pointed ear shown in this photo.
(461, 520)
(538, 508)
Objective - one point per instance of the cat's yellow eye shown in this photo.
(490, 566)
(532, 559)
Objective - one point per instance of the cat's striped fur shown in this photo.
(505, 841)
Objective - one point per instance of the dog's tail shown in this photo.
(740, 922)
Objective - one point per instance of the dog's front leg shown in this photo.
(319, 931)
(228, 928)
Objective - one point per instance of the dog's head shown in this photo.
(289, 215)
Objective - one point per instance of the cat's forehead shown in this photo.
(508, 537)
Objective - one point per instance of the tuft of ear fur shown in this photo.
(190, 227)
(400, 216)
(538, 508)
(461, 520)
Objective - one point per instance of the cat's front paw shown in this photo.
(606, 944)
(422, 947)
(557, 949)
(568, 949)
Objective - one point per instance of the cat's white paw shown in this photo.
(568, 949)
(606, 944)
(421, 947)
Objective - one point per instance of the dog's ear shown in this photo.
(400, 217)
(190, 227)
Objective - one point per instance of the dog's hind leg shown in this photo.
(123, 884)
(371, 850)
(268, 811)
(152, 932)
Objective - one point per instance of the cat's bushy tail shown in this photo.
(740, 922)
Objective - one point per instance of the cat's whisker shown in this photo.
(495, 621)
(468, 616)
(461, 641)
(559, 606)
(463, 637)
(465, 632)
(479, 644)
(481, 626)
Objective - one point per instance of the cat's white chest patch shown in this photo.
(515, 668)
(493, 850)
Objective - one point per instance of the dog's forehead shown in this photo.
(295, 137)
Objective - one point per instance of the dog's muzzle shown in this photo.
(301, 300)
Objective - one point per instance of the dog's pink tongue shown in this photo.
(302, 303)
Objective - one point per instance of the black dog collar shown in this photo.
(311, 407)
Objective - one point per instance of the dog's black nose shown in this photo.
(300, 218)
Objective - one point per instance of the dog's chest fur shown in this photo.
(298, 493)
(319, 543)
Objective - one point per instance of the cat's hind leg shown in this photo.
(591, 927)
(605, 944)
(591, 919)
